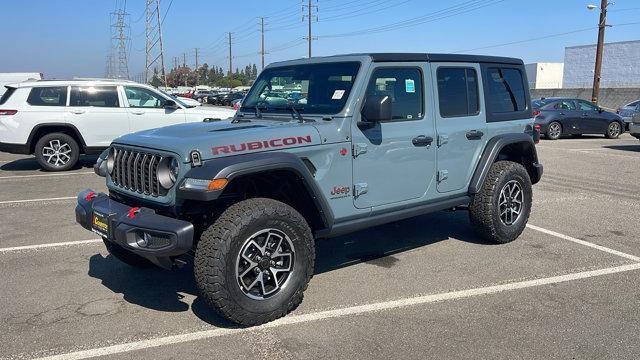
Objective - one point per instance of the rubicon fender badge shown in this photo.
(196, 158)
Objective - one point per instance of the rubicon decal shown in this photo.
(263, 144)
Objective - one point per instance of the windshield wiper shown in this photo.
(296, 114)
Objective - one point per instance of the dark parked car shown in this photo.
(227, 99)
(561, 116)
(627, 111)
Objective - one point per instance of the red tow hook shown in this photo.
(90, 196)
(133, 212)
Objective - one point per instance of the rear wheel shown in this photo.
(554, 130)
(253, 264)
(500, 210)
(613, 130)
(57, 152)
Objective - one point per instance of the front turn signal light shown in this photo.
(204, 184)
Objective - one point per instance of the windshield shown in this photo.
(313, 88)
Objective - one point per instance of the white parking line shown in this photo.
(585, 243)
(44, 175)
(37, 200)
(51, 245)
(338, 313)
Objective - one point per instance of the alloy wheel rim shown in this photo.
(554, 130)
(510, 202)
(265, 264)
(57, 153)
(614, 129)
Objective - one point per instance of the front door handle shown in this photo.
(137, 112)
(77, 111)
(474, 135)
(422, 140)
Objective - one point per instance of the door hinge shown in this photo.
(442, 175)
(360, 189)
(442, 139)
(359, 148)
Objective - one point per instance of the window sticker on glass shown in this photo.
(337, 95)
(409, 85)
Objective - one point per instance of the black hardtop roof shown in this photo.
(401, 57)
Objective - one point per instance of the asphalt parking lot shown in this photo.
(420, 288)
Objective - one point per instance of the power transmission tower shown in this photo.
(119, 31)
(230, 58)
(154, 48)
(310, 7)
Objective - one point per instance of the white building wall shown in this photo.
(620, 65)
(544, 75)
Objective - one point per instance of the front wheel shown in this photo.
(500, 210)
(613, 130)
(254, 263)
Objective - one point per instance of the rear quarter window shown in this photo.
(506, 96)
(7, 94)
(48, 96)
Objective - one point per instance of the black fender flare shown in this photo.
(492, 150)
(232, 167)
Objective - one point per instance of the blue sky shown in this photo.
(66, 38)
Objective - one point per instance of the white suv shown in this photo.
(59, 120)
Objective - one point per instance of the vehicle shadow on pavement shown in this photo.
(163, 290)
(31, 164)
(633, 148)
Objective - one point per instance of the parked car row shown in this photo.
(556, 117)
(225, 99)
(59, 120)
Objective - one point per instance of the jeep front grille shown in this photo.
(137, 171)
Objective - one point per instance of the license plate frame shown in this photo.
(100, 224)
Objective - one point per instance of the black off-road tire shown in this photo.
(61, 139)
(218, 249)
(614, 130)
(127, 257)
(484, 210)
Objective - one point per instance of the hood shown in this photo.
(224, 138)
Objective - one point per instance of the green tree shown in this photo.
(203, 73)
(155, 80)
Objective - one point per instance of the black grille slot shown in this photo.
(137, 171)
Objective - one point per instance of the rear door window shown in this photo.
(458, 92)
(96, 96)
(48, 96)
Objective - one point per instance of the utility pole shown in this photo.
(598, 68)
(196, 49)
(262, 35)
(175, 62)
(184, 59)
(154, 49)
(230, 58)
(309, 16)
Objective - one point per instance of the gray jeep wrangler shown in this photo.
(320, 147)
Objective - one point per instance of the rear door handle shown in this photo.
(138, 112)
(474, 135)
(422, 140)
(77, 111)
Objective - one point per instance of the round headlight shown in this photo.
(110, 160)
(168, 171)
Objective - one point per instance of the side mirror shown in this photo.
(377, 108)
(600, 110)
(170, 104)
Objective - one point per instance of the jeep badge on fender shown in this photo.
(278, 176)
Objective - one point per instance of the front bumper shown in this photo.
(634, 130)
(165, 238)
